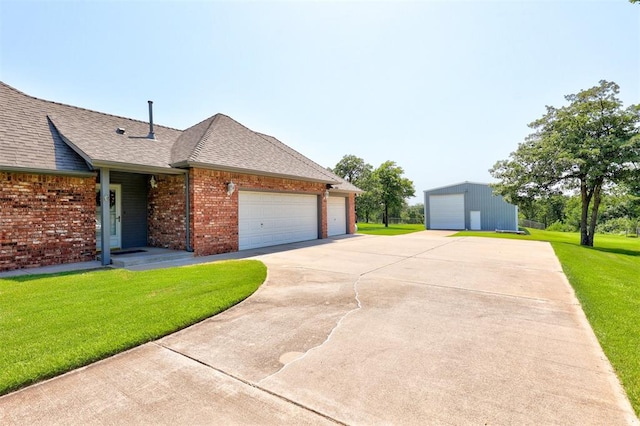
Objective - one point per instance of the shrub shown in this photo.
(618, 225)
(559, 226)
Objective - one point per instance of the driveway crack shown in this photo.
(248, 383)
(331, 333)
(357, 308)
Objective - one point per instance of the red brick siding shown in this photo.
(166, 213)
(351, 214)
(214, 214)
(46, 220)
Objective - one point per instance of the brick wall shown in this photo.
(166, 213)
(46, 220)
(351, 214)
(49, 220)
(214, 214)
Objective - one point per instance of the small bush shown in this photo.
(619, 225)
(561, 227)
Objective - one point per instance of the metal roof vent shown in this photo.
(120, 130)
(151, 135)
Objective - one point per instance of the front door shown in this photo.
(115, 215)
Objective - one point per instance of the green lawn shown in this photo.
(50, 324)
(379, 229)
(606, 279)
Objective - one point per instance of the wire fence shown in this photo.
(394, 220)
(526, 223)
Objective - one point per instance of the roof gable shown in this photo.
(28, 140)
(228, 145)
(48, 136)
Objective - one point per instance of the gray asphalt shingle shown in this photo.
(27, 137)
(228, 144)
(44, 135)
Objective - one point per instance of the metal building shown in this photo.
(468, 205)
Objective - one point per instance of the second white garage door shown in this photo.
(267, 219)
(336, 216)
(446, 211)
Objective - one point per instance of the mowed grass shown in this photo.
(50, 324)
(606, 279)
(397, 229)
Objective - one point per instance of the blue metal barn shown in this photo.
(468, 205)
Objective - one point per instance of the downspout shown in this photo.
(188, 215)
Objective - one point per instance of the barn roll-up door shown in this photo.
(336, 216)
(269, 218)
(446, 211)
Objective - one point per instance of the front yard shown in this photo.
(50, 324)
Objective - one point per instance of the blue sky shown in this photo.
(444, 88)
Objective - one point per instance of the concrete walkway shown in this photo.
(415, 329)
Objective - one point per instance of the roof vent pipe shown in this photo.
(151, 135)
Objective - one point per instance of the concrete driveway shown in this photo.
(415, 329)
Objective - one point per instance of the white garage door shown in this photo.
(267, 219)
(446, 211)
(337, 215)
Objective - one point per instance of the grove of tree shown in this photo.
(385, 189)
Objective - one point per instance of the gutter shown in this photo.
(136, 168)
(31, 170)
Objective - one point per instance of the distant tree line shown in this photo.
(619, 211)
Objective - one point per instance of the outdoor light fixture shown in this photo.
(231, 187)
(153, 182)
(326, 194)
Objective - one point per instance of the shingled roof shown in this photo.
(224, 144)
(28, 140)
(40, 135)
(341, 185)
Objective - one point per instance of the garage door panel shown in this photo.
(266, 219)
(336, 216)
(446, 211)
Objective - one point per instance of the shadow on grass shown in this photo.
(616, 251)
(624, 252)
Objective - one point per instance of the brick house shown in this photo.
(215, 187)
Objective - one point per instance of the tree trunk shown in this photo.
(585, 197)
(594, 213)
(386, 215)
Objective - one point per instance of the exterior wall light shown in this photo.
(231, 187)
(153, 182)
(326, 194)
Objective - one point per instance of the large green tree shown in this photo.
(367, 203)
(586, 145)
(393, 188)
(353, 169)
(358, 172)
